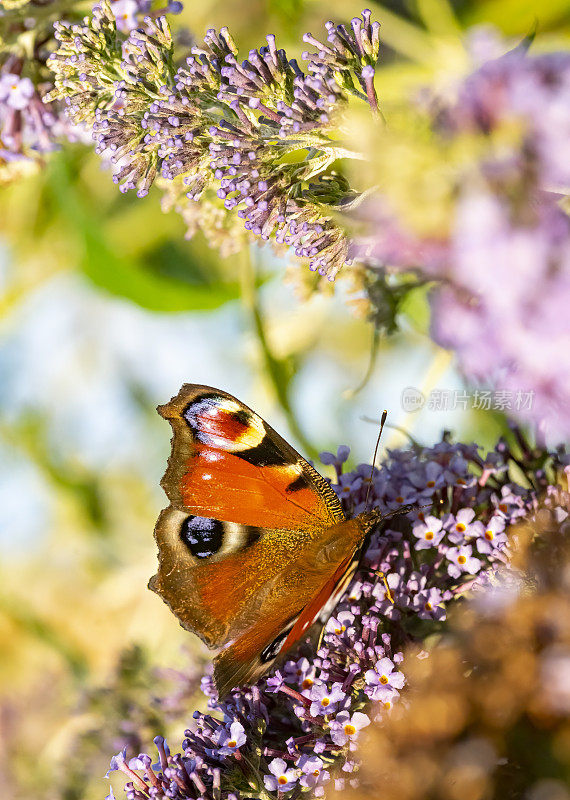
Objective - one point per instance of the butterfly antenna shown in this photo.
(382, 421)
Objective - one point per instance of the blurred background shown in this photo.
(106, 311)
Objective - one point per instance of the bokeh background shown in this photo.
(106, 311)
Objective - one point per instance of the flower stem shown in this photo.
(278, 371)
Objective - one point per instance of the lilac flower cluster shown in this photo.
(221, 126)
(504, 263)
(30, 125)
(496, 735)
(296, 730)
(28, 128)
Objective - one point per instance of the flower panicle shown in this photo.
(296, 730)
(222, 126)
(36, 41)
(496, 241)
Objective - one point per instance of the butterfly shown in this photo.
(254, 546)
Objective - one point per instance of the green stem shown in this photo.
(371, 364)
(276, 369)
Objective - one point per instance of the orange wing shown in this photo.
(227, 463)
(254, 540)
(282, 610)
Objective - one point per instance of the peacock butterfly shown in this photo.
(254, 544)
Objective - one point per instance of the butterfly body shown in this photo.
(254, 542)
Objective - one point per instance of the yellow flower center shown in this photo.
(489, 535)
(307, 683)
(461, 560)
(383, 679)
(349, 729)
(503, 507)
(429, 536)
(428, 606)
(399, 499)
(430, 484)
(325, 701)
(282, 780)
(460, 527)
(387, 705)
(232, 743)
(316, 773)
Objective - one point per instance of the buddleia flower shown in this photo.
(224, 128)
(297, 728)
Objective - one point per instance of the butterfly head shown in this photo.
(370, 519)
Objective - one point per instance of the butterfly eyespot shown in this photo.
(203, 536)
(223, 423)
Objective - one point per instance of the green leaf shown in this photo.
(168, 279)
(517, 16)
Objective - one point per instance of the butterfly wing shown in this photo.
(314, 581)
(227, 463)
(250, 537)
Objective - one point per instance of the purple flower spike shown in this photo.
(462, 561)
(384, 674)
(117, 762)
(325, 701)
(16, 92)
(345, 728)
(314, 774)
(232, 740)
(492, 536)
(428, 533)
(290, 730)
(282, 778)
